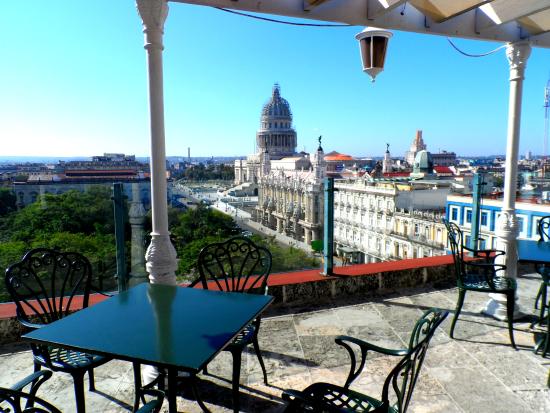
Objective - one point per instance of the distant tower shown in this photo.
(546, 109)
(417, 146)
(318, 161)
(265, 161)
(188, 154)
(276, 134)
(386, 163)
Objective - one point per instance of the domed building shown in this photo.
(289, 185)
(276, 135)
(276, 139)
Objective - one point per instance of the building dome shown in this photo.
(277, 107)
(276, 134)
(423, 162)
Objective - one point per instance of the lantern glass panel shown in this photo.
(373, 51)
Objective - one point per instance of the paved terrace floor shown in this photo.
(477, 372)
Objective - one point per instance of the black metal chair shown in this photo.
(47, 285)
(326, 397)
(476, 270)
(14, 399)
(543, 229)
(237, 265)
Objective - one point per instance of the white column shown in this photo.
(506, 228)
(161, 255)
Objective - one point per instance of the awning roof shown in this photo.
(493, 20)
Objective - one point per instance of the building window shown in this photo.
(484, 219)
(454, 214)
(468, 216)
(521, 224)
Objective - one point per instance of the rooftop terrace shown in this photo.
(477, 372)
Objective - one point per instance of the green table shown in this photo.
(169, 327)
(537, 252)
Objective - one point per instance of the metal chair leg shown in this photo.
(137, 385)
(538, 297)
(459, 304)
(260, 359)
(510, 303)
(237, 355)
(91, 384)
(547, 338)
(78, 380)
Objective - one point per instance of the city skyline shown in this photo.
(77, 87)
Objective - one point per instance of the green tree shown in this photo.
(75, 212)
(7, 201)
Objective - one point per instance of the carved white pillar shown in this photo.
(161, 255)
(136, 216)
(507, 228)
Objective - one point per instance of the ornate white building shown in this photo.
(275, 137)
(291, 200)
(289, 185)
(380, 220)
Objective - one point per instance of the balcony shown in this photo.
(478, 371)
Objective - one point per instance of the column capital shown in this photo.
(153, 14)
(517, 54)
(507, 225)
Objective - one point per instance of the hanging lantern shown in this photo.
(373, 43)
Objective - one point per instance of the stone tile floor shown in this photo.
(478, 371)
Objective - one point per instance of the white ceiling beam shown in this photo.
(354, 12)
(377, 8)
(505, 11)
(473, 6)
(311, 4)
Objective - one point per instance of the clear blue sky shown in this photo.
(73, 82)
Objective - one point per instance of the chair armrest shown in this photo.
(195, 282)
(488, 255)
(154, 405)
(365, 346)
(486, 269)
(97, 290)
(33, 326)
(40, 377)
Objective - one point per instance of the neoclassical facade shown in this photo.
(276, 137)
(291, 200)
(389, 220)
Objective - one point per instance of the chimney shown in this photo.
(418, 135)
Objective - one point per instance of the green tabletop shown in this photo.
(157, 324)
(534, 251)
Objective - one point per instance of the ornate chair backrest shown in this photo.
(14, 401)
(402, 379)
(236, 265)
(44, 284)
(543, 229)
(456, 242)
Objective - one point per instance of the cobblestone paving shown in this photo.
(478, 371)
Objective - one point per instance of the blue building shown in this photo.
(528, 212)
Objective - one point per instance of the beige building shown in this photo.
(381, 220)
